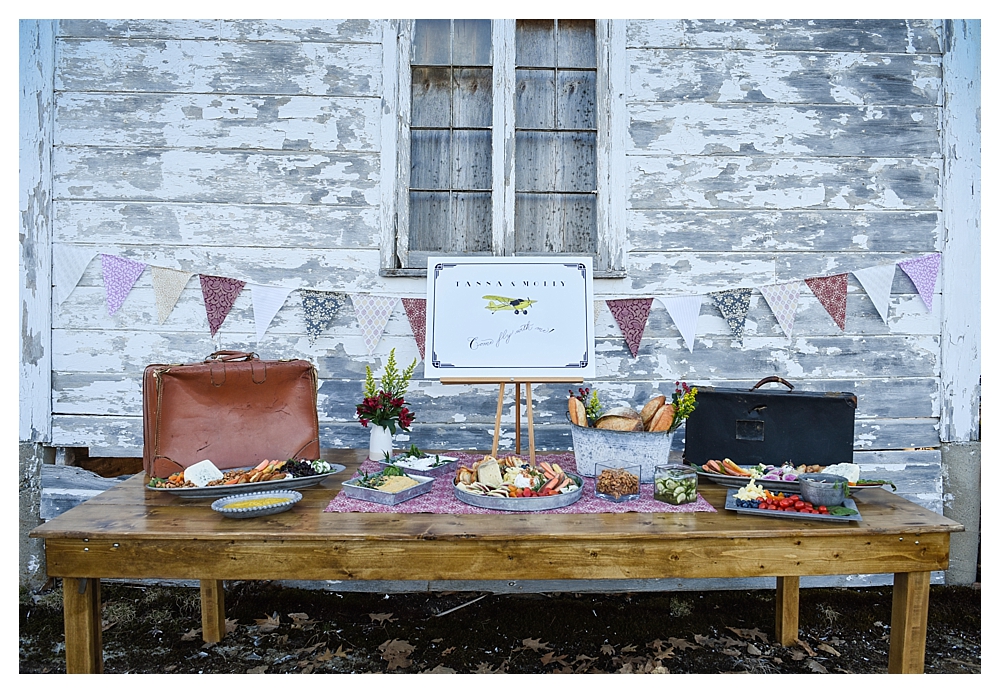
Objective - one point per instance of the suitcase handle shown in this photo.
(774, 379)
(228, 355)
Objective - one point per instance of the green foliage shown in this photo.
(393, 382)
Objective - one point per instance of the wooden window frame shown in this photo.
(612, 76)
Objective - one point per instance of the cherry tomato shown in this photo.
(823, 509)
(799, 504)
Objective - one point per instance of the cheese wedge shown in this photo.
(203, 472)
(489, 473)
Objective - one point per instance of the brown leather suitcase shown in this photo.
(233, 409)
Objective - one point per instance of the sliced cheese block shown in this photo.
(203, 472)
(489, 474)
(848, 470)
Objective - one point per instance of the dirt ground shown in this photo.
(275, 629)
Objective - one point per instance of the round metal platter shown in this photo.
(283, 500)
(523, 505)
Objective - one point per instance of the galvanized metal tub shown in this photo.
(644, 448)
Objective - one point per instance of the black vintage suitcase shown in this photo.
(771, 426)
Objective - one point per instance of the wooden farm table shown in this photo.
(131, 532)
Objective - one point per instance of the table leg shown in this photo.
(213, 611)
(82, 621)
(908, 630)
(786, 610)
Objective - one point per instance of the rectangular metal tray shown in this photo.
(849, 503)
(352, 489)
(422, 466)
(741, 481)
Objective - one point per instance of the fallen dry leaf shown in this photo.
(484, 668)
(269, 623)
(805, 646)
(439, 669)
(797, 656)
(752, 650)
(231, 624)
(191, 635)
(826, 648)
(262, 669)
(448, 651)
(324, 656)
(660, 670)
(535, 644)
(381, 618)
(396, 653)
(629, 648)
(550, 657)
(703, 640)
(607, 649)
(731, 652)
(682, 644)
(300, 619)
(341, 652)
(817, 667)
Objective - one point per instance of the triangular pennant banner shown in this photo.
(832, 293)
(416, 313)
(684, 311)
(631, 315)
(923, 271)
(267, 301)
(220, 294)
(120, 275)
(69, 262)
(877, 283)
(320, 308)
(168, 284)
(373, 315)
(783, 300)
(734, 305)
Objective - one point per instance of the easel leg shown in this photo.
(517, 418)
(496, 427)
(531, 424)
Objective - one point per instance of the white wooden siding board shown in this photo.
(783, 130)
(961, 328)
(35, 111)
(157, 225)
(389, 129)
(839, 35)
(784, 77)
(219, 67)
(759, 182)
(785, 230)
(503, 175)
(220, 176)
(315, 30)
(210, 121)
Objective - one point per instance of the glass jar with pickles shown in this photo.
(676, 484)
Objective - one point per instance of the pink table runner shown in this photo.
(441, 498)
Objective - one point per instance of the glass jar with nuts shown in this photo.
(617, 483)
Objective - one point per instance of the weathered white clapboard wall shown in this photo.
(755, 152)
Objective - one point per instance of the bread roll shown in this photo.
(626, 412)
(611, 422)
(651, 407)
(577, 412)
(662, 419)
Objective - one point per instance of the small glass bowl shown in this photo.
(676, 484)
(617, 474)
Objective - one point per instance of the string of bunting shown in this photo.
(373, 311)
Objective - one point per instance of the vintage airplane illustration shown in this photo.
(518, 305)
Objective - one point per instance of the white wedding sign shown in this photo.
(525, 318)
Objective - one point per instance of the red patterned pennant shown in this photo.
(631, 315)
(416, 313)
(832, 293)
(220, 294)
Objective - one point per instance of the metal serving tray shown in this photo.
(431, 465)
(523, 505)
(276, 485)
(784, 514)
(741, 481)
(353, 490)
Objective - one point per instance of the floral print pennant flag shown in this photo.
(923, 271)
(120, 275)
(320, 308)
(631, 315)
(734, 305)
(220, 293)
(832, 293)
(168, 285)
(416, 313)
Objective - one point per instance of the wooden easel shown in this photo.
(517, 382)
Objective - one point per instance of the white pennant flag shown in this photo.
(373, 315)
(877, 282)
(783, 300)
(69, 262)
(168, 284)
(267, 301)
(684, 311)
